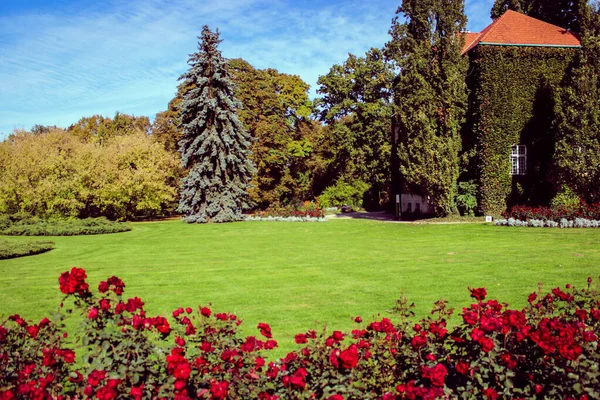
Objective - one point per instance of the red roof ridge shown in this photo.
(514, 28)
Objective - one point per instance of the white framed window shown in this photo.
(518, 160)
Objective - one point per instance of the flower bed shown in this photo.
(547, 350)
(307, 212)
(570, 213)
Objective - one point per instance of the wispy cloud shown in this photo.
(58, 66)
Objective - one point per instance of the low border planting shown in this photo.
(33, 226)
(306, 212)
(548, 349)
(581, 215)
(540, 223)
(14, 249)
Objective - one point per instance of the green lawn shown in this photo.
(298, 276)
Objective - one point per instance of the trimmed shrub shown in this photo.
(344, 194)
(549, 349)
(14, 249)
(34, 226)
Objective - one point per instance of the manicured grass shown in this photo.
(298, 276)
(22, 248)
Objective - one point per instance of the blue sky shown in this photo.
(64, 59)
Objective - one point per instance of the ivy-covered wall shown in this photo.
(512, 102)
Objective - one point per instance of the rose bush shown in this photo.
(581, 210)
(547, 350)
(308, 209)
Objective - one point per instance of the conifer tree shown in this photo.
(577, 154)
(430, 97)
(215, 144)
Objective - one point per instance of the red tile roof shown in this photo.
(514, 28)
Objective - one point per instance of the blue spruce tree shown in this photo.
(215, 148)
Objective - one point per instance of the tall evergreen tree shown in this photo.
(577, 154)
(215, 144)
(563, 13)
(430, 97)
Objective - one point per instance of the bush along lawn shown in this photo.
(14, 249)
(33, 226)
(549, 349)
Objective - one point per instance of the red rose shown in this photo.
(300, 338)
(437, 374)
(508, 360)
(219, 390)
(265, 330)
(490, 394)
(205, 311)
(137, 392)
(103, 287)
(73, 282)
(463, 367)
(478, 294)
(93, 313)
(358, 320)
(337, 336)
(134, 304)
(336, 397)
(349, 357)
(179, 341)
(182, 370)
(44, 322)
(33, 330)
(419, 341)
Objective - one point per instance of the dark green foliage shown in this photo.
(513, 103)
(276, 113)
(14, 249)
(430, 97)
(563, 13)
(33, 226)
(215, 148)
(357, 106)
(577, 155)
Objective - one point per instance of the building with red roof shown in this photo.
(516, 66)
(516, 29)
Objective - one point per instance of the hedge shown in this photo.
(33, 226)
(513, 90)
(549, 349)
(14, 249)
